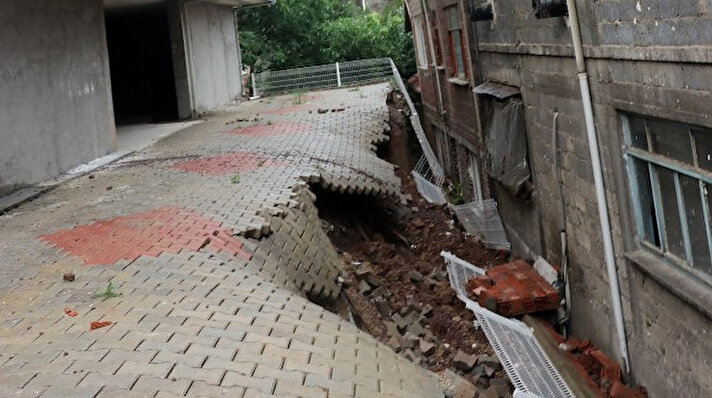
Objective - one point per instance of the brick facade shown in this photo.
(650, 58)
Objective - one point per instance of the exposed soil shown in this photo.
(394, 268)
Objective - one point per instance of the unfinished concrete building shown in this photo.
(73, 70)
(509, 67)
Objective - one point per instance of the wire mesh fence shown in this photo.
(429, 184)
(482, 218)
(339, 74)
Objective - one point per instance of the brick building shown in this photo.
(648, 65)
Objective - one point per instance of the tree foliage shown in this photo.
(296, 33)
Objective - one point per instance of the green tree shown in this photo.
(295, 33)
(371, 35)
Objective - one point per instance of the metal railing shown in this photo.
(344, 74)
(339, 74)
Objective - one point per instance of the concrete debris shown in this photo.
(463, 361)
(426, 348)
(455, 386)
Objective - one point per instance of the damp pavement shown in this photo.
(192, 261)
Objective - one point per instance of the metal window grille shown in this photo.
(670, 172)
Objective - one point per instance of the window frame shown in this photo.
(651, 162)
(435, 35)
(421, 53)
(453, 15)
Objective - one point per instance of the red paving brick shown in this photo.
(166, 229)
(266, 130)
(514, 289)
(226, 164)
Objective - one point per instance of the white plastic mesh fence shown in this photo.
(482, 218)
(526, 364)
(340, 74)
(522, 357)
(428, 184)
(459, 272)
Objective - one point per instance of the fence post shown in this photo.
(338, 75)
(254, 86)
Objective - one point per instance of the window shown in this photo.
(457, 60)
(670, 171)
(419, 37)
(435, 34)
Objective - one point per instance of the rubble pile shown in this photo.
(413, 328)
(597, 368)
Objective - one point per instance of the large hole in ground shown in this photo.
(395, 282)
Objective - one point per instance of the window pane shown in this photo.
(459, 64)
(696, 221)
(671, 217)
(419, 42)
(703, 140)
(454, 21)
(637, 132)
(706, 266)
(644, 198)
(671, 140)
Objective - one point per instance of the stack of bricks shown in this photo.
(513, 289)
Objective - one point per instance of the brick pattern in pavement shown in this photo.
(194, 319)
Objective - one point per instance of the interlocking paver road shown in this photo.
(212, 243)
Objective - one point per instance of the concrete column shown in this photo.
(55, 91)
(211, 55)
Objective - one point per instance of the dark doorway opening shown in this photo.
(141, 62)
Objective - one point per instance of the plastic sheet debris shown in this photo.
(482, 218)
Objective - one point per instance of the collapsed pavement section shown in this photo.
(168, 290)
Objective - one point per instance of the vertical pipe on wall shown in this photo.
(598, 183)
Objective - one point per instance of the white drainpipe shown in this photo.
(598, 183)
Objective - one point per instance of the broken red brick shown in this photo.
(514, 289)
(619, 390)
(610, 372)
(99, 325)
(70, 312)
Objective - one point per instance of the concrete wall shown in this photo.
(55, 98)
(212, 56)
(649, 57)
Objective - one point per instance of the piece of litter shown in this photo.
(68, 277)
(99, 325)
(70, 312)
